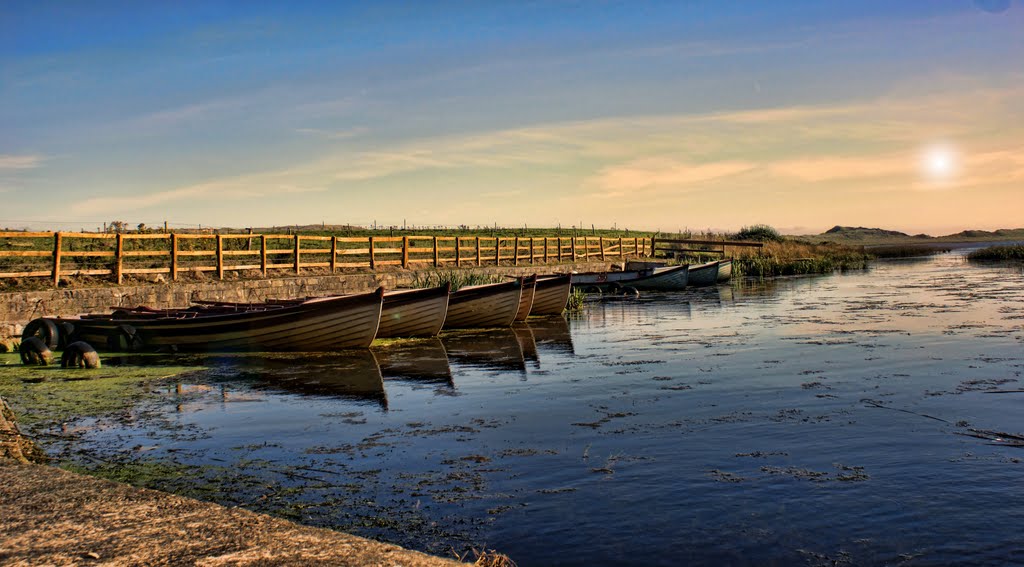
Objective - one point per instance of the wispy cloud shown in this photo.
(664, 173)
(11, 161)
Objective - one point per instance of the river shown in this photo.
(856, 418)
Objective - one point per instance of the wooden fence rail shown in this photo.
(668, 247)
(63, 254)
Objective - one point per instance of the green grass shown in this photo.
(457, 278)
(576, 300)
(1011, 252)
(789, 258)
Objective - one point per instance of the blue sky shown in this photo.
(649, 115)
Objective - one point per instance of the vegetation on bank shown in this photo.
(1011, 252)
(457, 278)
(789, 258)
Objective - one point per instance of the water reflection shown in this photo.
(552, 334)
(490, 349)
(351, 374)
(524, 335)
(419, 361)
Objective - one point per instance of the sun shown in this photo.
(939, 162)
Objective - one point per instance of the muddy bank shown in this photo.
(54, 517)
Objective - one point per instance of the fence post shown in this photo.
(220, 257)
(174, 257)
(436, 261)
(478, 251)
(497, 250)
(405, 251)
(334, 253)
(458, 252)
(652, 246)
(559, 248)
(622, 253)
(572, 248)
(263, 254)
(515, 253)
(531, 250)
(636, 246)
(373, 263)
(118, 260)
(600, 244)
(545, 250)
(298, 240)
(56, 258)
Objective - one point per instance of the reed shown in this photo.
(457, 279)
(576, 300)
(1011, 252)
(793, 258)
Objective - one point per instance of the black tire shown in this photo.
(44, 329)
(630, 291)
(67, 334)
(34, 352)
(124, 339)
(79, 354)
(615, 288)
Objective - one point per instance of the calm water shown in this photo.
(813, 421)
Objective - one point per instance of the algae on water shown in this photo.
(48, 395)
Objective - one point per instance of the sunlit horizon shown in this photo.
(645, 116)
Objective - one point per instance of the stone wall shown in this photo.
(18, 308)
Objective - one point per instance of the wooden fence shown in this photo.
(669, 248)
(61, 254)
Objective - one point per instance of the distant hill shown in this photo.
(862, 235)
(1001, 234)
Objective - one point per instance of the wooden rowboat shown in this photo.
(323, 324)
(704, 274)
(552, 295)
(414, 312)
(527, 298)
(669, 278)
(406, 312)
(493, 305)
(724, 270)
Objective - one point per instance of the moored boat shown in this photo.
(666, 278)
(492, 305)
(414, 312)
(526, 299)
(704, 274)
(551, 295)
(322, 324)
(724, 270)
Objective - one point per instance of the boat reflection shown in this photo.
(351, 374)
(551, 334)
(489, 349)
(419, 361)
(524, 336)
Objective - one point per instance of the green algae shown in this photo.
(48, 395)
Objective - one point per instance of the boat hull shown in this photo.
(552, 295)
(324, 324)
(704, 274)
(724, 270)
(414, 313)
(670, 278)
(527, 298)
(493, 305)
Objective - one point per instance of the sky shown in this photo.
(696, 115)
